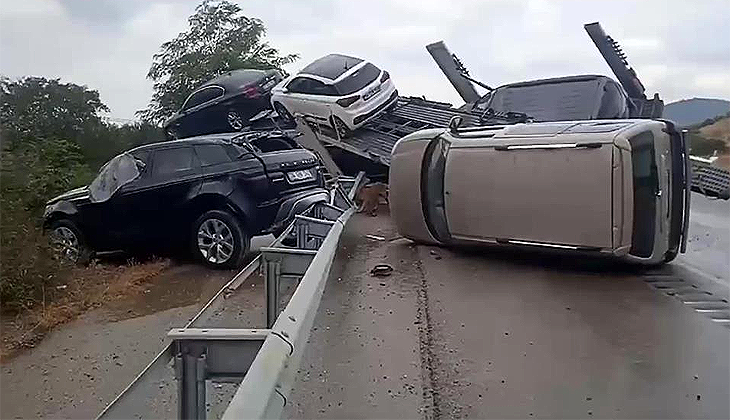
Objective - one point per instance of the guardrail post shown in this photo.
(302, 235)
(273, 274)
(190, 375)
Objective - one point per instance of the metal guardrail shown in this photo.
(266, 358)
(710, 180)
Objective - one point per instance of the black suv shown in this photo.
(211, 193)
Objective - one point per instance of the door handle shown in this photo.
(658, 193)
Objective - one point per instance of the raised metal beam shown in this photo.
(445, 60)
(310, 140)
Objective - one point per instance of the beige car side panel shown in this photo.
(405, 189)
(560, 196)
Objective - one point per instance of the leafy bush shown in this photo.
(52, 140)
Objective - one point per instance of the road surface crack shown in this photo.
(431, 395)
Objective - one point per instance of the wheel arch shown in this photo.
(58, 215)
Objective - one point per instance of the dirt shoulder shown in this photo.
(84, 288)
(114, 323)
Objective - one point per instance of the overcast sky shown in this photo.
(680, 49)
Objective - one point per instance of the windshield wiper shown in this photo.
(490, 115)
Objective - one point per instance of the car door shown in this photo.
(174, 179)
(300, 98)
(120, 222)
(199, 112)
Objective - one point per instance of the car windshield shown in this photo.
(115, 173)
(568, 100)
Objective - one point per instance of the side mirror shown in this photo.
(285, 90)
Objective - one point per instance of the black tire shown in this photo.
(68, 244)
(283, 112)
(234, 120)
(670, 256)
(226, 226)
(340, 127)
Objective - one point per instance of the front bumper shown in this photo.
(296, 204)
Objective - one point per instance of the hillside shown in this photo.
(719, 130)
(694, 111)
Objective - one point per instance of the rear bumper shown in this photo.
(363, 118)
(296, 204)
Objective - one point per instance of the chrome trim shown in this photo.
(203, 103)
(547, 245)
(548, 146)
(687, 189)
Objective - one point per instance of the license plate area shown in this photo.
(372, 92)
(299, 176)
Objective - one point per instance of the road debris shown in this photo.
(381, 270)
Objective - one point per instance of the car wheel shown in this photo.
(219, 239)
(234, 120)
(342, 129)
(283, 112)
(68, 244)
(670, 256)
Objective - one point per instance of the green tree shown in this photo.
(219, 39)
(37, 108)
(52, 139)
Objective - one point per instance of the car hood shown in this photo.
(73, 195)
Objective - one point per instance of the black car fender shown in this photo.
(222, 186)
(59, 210)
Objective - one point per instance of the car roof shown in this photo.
(331, 66)
(223, 138)
(551, 80)
(234, 79)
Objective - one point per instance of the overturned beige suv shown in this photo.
(612, 187)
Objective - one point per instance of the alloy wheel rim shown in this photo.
(215, 241)
(65, 244)
(283, 113)
(340, 127)
(234, 120)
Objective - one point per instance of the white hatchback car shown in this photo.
(338, 90)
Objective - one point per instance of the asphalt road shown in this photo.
(488, 333)
(708, 247)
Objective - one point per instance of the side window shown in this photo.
(613, 103)
(142, 159)
(211, 154)
(297, 85)
(318, 88)
(646, 187)
(172, 162)
(203, 95)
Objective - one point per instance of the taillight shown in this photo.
(385, 76)
(345, 102)
(251, 92)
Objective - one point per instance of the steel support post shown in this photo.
(190, 375)
(273, 276)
